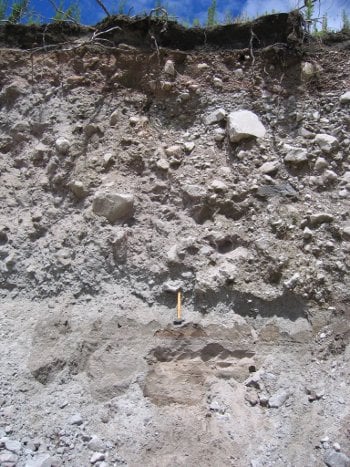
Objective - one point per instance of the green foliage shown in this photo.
(71, 13)
(228, 17)
(196, 23)
(309, 11)
(19, 9)
(345, 20)
(3, 8)
(121, 7)
(212, 15)
(324, 28)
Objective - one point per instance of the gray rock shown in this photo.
(76, 419)
(215, 117)
(336, 459)
(269, 168)
(295, 155)
(8, 459)
(78, 189)
(62, 145)
(345, 98)
(169, 68)
(96, 444)
(283, 189)
(321, 218)
(346, 232)
(113, 206)
(278, 399)
(114, 118)
(326, 142)
(321, 164)
(244, 124)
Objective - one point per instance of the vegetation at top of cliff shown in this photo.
(23, 11)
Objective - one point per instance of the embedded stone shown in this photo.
(113, 206)
(244, 124)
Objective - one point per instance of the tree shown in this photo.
(212, 20)
(346, 21)
(3, 8)
(19, 9)
(324, 28)
(72, 13)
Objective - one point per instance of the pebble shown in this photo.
(76, 419)
(215, 117)
(62, 145)
(345, 98)
(169, 68)
(278, 399)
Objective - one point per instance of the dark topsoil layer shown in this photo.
(151, 32)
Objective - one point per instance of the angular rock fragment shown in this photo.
(345, 98)
(277, 400)
(336, 459)
(326, 142)
(215, 117)
(244, 124)
(113, 206)
(295, 155)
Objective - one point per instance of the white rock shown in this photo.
(96, 457)
(62, 145)
(244, 124)
(295, 155)
(13, 446)
(189, 146)
(345, 98)
(113, 206)
(215, 117)
(202, 66)
(42, 460)
(292, 281)
(172, 286)
(169, 68)
(278, 399)
(326, 142)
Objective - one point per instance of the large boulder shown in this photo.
(244, 124)
(113, 206)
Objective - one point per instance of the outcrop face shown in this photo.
(128, 174)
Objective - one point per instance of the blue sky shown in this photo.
(188, 10)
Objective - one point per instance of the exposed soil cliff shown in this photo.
(138, 159)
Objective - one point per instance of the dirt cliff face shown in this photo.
(134, 167)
